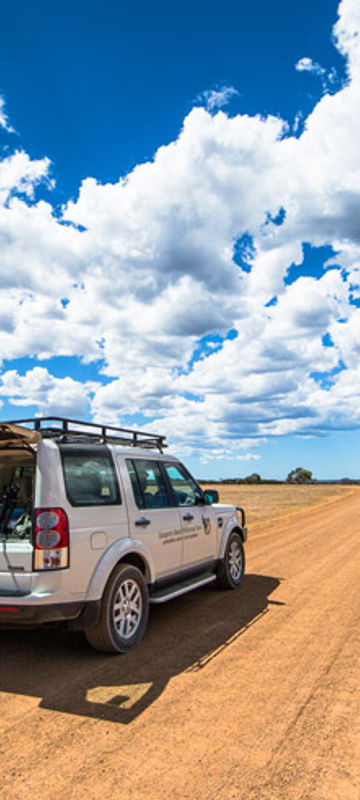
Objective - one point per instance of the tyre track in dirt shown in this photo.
(252, 695)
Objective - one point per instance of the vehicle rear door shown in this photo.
(153, 516)
(17, 476)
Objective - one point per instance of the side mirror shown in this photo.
(211, 496)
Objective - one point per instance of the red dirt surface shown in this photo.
(247, 695)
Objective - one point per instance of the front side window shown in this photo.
(148, 483)
(186, 491)
(89, 477)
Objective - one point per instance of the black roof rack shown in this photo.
(68, 430)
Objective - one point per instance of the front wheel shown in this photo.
(124, 612)
(231, 570)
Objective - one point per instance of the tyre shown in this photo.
(124, 612)
(231, 570)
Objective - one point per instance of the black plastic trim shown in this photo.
(184, 574)
(242, 512)
(30, 615)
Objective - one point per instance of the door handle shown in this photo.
(188, 517)
(142, 521)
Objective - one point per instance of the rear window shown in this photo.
(89, 476)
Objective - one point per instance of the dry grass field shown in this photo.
(246, 695)
(269, 501)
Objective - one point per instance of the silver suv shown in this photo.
(96, 522)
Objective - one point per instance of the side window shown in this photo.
(139, 497)
(186, 491)
(89, 477)
(148, 484)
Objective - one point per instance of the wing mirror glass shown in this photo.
(211, 496)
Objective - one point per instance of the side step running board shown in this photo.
(177, 589)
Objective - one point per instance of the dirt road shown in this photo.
(246, 695)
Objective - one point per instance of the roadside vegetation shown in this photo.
(295, 476)
(266, 501)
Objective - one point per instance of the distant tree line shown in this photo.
(296, 476)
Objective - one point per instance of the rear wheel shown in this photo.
(231, 570)
(124, 612)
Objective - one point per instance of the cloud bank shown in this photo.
(185, 279)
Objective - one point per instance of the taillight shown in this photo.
(51, 539)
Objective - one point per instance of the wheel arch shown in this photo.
(128, 551)
(138, 561)
(225, 537)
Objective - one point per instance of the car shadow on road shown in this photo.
(185, 635)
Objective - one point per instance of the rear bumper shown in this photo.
(81, 615)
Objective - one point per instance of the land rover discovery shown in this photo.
(96, 522)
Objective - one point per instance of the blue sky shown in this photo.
(97, 88)
(179, 210)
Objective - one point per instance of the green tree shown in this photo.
(300, 475)
(253, 478)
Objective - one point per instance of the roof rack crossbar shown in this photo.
(104, 433)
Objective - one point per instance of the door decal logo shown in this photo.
(207, 524)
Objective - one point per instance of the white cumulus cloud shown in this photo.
(184, 279)
(61, 396)
(217, 98)
(4, 121)
(308, 65)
